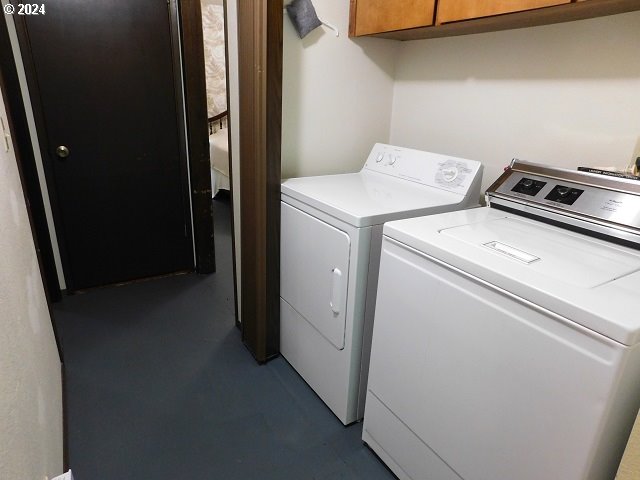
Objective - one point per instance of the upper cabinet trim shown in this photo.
(532, 13)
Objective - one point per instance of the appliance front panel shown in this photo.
(314, 272)
(487, 381)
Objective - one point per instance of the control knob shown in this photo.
(449, 173)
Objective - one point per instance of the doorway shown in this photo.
(261, 163)
(219, 73)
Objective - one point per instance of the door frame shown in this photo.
(195, 103)
(188, 60)
(260, 37)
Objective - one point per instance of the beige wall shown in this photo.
(565, 94)
(30, 383)
(337, 95)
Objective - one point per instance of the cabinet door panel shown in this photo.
(456, 10)
(376, 16)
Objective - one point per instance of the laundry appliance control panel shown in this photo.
(592, 203)
(432, 169)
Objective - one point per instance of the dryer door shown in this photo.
(314, 272)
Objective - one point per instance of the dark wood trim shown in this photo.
(273, 172)
(569, 12)
(230, 144)
(248, 112)
(180, 108)
(260, 76)
(197, 133)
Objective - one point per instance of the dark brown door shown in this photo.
(105, 84)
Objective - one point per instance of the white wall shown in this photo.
(565, 94)
(337, 95)
(234, 128)
(30, 382)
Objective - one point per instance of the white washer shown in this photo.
(330, 250)
(505, 343)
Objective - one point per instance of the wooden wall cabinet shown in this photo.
(456, 10)
(417, 19)
(375, 16)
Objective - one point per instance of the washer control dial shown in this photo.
(564, 194)
(528, 186)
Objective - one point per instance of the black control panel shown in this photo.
(563, 194)
(528, 186)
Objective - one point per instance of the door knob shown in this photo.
(62, 151)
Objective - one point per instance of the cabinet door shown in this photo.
(376, 16)
(455, 10)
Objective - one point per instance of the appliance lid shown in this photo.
(368, 198)
(565, 257)
(592, 282)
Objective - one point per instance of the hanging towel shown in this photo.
(303, 16)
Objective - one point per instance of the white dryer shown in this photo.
(330, 250)
(506, 338)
